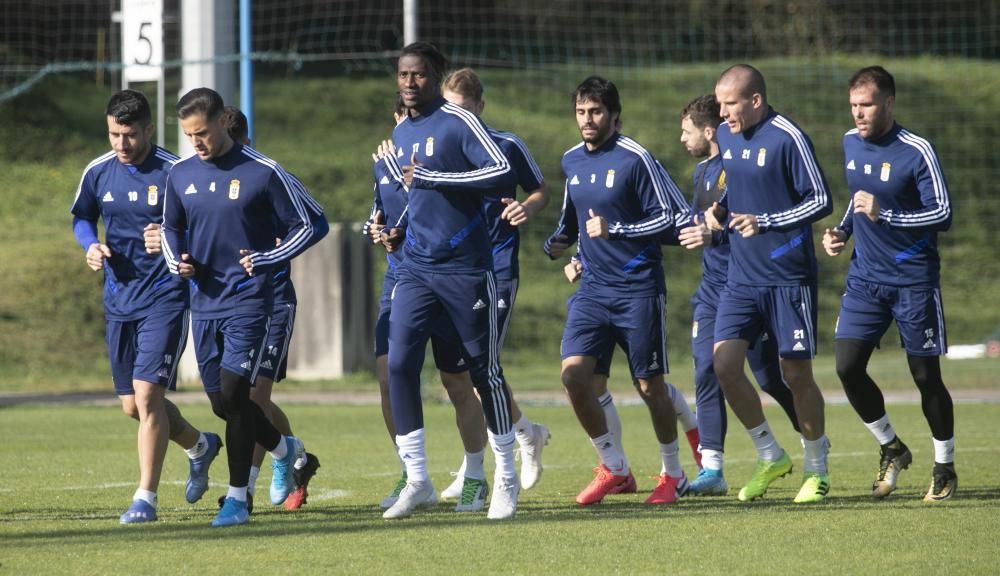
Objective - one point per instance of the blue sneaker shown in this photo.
(233, 512)
(140, 511)
(282, 471)
(709, 483)
(197, 482)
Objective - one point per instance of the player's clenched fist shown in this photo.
(96, 255)
(597, 226)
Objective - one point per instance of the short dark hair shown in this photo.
(203, 101)
(129, 107)
(236, 124)
(597, 89)
(876, 75)
(466, 82)
(703, 111)
(754, 82)
(431, 56)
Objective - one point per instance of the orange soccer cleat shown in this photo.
(668, 489)
(605, 483)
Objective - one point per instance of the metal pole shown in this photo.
(411, 21)
(246, 67)
(161, 111)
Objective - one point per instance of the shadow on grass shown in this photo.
(185, 524)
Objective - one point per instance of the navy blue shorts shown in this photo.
(867, 309)
(148, 349)
(274, 364)
(445, 342)
(233, 343)
(593, 325)
(787, 312)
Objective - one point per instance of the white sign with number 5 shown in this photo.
(142, 40)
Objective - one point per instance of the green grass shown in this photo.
(69, 471)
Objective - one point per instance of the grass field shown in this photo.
(69, 471)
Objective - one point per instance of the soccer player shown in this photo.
(775, 191)
(899, 204)
(504, 216)
(573, 270)
(699, 122)
(274, 364)
(145, 306)
(390, 206)
(219, 230)
(626, 201)
(449, 163)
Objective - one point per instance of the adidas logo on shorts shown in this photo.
(798, 347)
(479, 305)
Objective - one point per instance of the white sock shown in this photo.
(815, 454)
(766, 444)
(301, 461)
(670, 460)
(944, 450)
(413, 455)
(402, 465)
(685, 417)
(503, 453)
(237, 493)
(882, 430)
(199, 448)
(614, 423)
(147, 496)
(254, 472)
(472, 465)
(281, 450)
(711, 459)
(611, 456)
(523, 430)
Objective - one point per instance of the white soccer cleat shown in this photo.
(454, 490)
(414, 495)
(531, 456)
(503, 504)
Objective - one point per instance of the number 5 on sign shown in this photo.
(142, 40)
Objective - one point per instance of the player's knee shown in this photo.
(926, 373)
(651, 389)
(726, 370)
(458, 386)
(215, 399)
(129, 407)
(574, 381)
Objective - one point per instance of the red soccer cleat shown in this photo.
(694, 439)
(668, 489)
(302, 476)
(603, 484)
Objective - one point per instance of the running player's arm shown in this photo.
(376, 217)
(567, 230)
(478, 148)
(935, 211)
(173, 233)
(86, 212)
(684, 215)
(529, 178)
(655, 188)
(320, 225)
(808, 182)
(301, 216)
